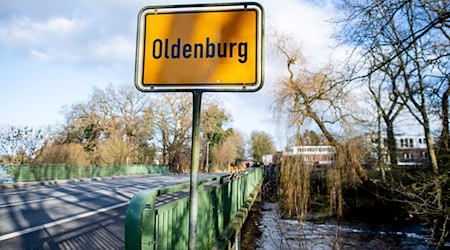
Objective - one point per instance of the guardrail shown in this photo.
(152, 222)
(39, 172)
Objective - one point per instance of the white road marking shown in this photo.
(58, 222)
(59, 196)
(26, 202)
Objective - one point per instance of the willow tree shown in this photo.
(317, 97)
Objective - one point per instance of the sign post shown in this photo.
(195, 162)
(199, 48)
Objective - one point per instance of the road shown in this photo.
(76, 215)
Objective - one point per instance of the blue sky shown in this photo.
(53, 53)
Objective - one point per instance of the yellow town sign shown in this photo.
(207, 47)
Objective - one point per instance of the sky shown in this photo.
(53, 53)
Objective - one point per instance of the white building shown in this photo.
(411, 149)
(314, 155)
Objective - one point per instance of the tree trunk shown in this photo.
(432, 156)
(381, 159)
(443, 149)
(391, 143)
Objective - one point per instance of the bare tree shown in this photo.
(410, 38)
(384, 91)
(125, 118)
(120, 125)
(444, 140)
(112, 125)
(20, 144)
(172, 120)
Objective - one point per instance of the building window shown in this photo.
(424, 155)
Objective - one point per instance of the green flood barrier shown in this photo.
(43, 172)
(223, 205)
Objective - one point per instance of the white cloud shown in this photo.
(58, 25)
(24, 31)
(40, 55)
(61, 39)
(115, 48)
(101, 35)
(49, 39)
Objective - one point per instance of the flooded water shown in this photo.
(265, 231)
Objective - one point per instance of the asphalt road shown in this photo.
(76, 215)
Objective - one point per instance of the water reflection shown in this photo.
(290, 234)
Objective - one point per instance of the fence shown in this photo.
(24, 173)
(223, 204)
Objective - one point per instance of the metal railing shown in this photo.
(40, 172)
(159, 218)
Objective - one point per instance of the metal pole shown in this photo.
(207, 157)
(195, 160)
